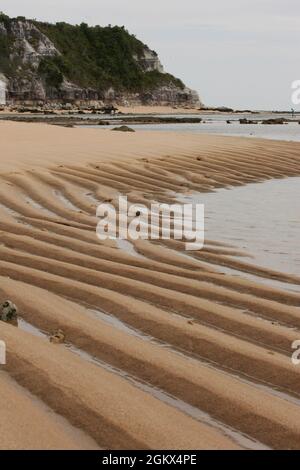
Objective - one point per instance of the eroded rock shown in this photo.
(9, 312)
(57, 337)
(123, 129)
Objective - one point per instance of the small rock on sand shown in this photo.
(123, 129)
(9, 312)
(57, 337)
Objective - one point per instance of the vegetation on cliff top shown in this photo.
(91, 57)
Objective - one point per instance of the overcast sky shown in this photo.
(239, 53)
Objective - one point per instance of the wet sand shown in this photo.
(181, 353)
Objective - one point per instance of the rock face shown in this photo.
(30, 44)
(3, 87)
(37, 67)
(166, 95)
(28, 47)
(149, 62)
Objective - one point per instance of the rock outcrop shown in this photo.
(37, 66)
(149, 61)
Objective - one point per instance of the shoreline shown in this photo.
(88, 118)
(216, 343)
(141, 110)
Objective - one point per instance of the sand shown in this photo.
(27, 423)
(133, 110)
(162, 351)
(157, 110)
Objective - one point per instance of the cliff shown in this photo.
(42, 62)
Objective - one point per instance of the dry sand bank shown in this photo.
(164, 350)
(157, 110)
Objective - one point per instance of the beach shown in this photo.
(164, 348)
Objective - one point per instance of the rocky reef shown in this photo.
(43, 62)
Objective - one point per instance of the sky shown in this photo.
(237, 53)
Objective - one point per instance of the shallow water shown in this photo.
(128, 247)
(211, 124)
(65, 201)
(289, 132)
(10, 211)
(261, 218)
(39, 207)
(117, 323)
(216, 124)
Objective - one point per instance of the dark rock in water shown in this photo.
(220, 109)
(161, 120)
(244, 111)
(224, 109)
(109, 110)
(29, 110)
(228, 122)
(247, 121)
(274, 121)
(9, 313)
(123, 129)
